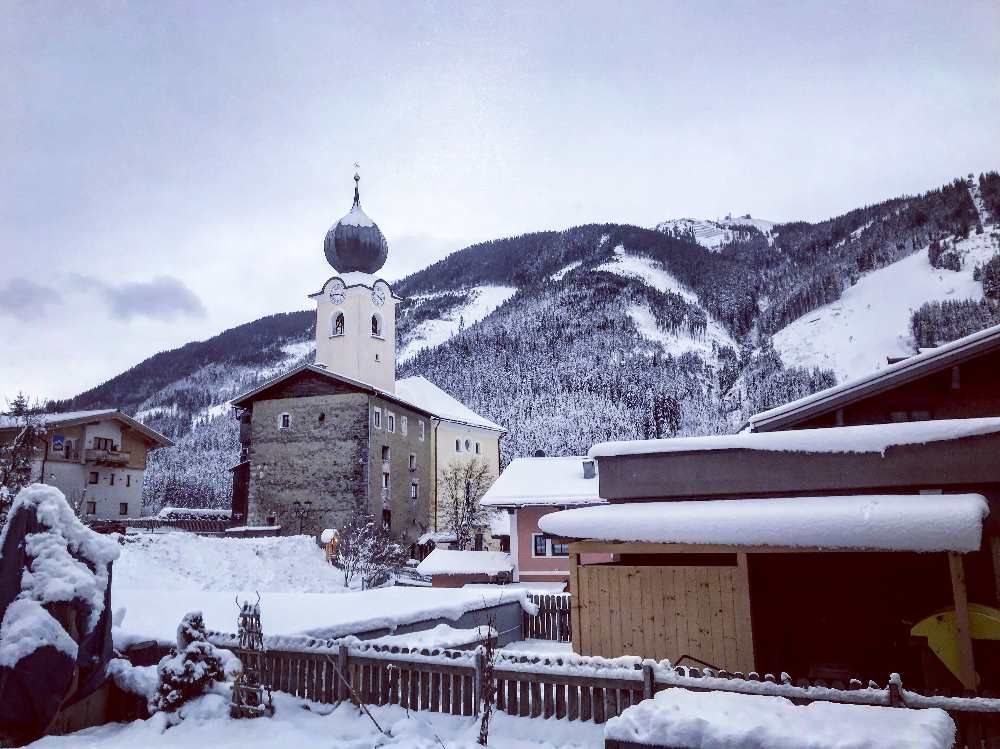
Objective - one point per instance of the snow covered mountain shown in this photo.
(613, 331)
(713, 235)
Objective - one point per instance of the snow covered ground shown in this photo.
(561, 273)
(871, 320)
(484, 299)
(298, 723)
(652, 273)
(161, 577)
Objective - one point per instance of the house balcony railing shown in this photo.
(107, 457)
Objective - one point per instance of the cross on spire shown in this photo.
(357, 179)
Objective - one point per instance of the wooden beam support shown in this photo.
(575, 601)
(963, 633)
(995, 553)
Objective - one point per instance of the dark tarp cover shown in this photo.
(32, 692)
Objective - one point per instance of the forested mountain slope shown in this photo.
(602, 331)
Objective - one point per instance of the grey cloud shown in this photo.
(24, 299)
(163, 298)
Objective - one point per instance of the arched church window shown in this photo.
(376, 326)
(337, 326)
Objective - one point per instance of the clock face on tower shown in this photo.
(337, 291)
(380, 293)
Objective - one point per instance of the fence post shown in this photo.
(477, 682)
(343, 692)
(647, 681)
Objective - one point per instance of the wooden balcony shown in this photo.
(107, 457)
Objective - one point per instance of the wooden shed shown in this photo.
(454, 568)
(680, 585)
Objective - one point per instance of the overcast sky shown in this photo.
(170, 169)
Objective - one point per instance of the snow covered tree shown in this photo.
(368, 552)
(194, 667)
(17, 453)
(462, 486)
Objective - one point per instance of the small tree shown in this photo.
(462, 486)
(192, 669)
(367, 550)
(17, 453)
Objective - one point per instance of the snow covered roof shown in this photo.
(543, 481)
(415, 392)
(67, 418)
(681, 717)
(423, 393)
(866, 438)
(438, 537)
(907, 370)
(455, 562)
(917, 522)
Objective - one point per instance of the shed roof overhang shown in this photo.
(917, 523)
(962, 462)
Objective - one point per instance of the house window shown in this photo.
(385, 454)
(540, 544)
(91, 508)
(458, 446)
(377, 418)
(390, 421)
(414, 490)
(93, 478)
(560, 550)
(112, 479)
(123, 508)
(376, 326)
(387, 518)
(322, 418)
(104, 443)
(420, 429)
(402, 425)
(284, 420)
(128, 479)
(337, 325)
(413, 462)
(477, 448)
(385, 479)
(468, 445)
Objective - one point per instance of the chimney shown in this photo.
(589, 470)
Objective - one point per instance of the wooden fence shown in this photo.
(571, 687)
(552, 622)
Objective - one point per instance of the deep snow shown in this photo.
(871, 320)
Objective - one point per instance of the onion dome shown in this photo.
(355, 243)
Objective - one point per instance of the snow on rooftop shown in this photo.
(543, 481)
(356, 217)
(910, 362)
(931, 522)
(867, 438)
(680, 717)
(423, 393)
(456, 562)
(56, 418)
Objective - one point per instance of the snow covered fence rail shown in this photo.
(572, 687)
(552, 622)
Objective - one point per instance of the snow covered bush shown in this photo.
(193, 668)
(368, 551)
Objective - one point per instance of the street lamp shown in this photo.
(301, 510)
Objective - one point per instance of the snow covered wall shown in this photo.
(55, 625)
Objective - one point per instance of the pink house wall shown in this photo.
(542, 567)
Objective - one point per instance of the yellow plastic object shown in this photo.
(939, 629)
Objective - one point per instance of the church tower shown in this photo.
(356, 309)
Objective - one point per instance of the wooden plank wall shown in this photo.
(665, 613)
